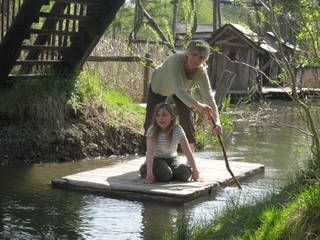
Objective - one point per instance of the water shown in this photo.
(31, 209)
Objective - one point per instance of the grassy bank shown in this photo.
(58, 119)
(51, 101)
(293, 214)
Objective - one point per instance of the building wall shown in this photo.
(309, 77)
(231, 59)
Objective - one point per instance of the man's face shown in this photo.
(195, 59)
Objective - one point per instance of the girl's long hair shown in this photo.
(156, 128)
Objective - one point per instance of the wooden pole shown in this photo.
(175, 17)
(119, 59)
(146, 78)
(223, 85)
(216, 16)
(225, 155)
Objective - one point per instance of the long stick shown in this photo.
(225, 155)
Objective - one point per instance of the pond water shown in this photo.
(31, 209)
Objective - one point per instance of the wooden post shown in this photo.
(258, 19)
(146, 78)
(216, 14)
(223, 86)
(175, 16)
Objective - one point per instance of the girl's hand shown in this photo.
(196, 176)
(149, 179)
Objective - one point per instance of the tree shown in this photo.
(303, 17)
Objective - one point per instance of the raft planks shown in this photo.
(123, 181)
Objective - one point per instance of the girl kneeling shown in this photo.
(163, 137)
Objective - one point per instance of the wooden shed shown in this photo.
(240, 51)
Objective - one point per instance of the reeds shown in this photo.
(123, 77)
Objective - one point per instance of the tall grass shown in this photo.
(41, 101)
(300, 219)
(123, 76)
(93, 98)
(51, 100)
(291, 214)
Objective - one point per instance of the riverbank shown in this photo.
(49, 121)
(24, 143)
(293, 213)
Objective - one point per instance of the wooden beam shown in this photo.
(85, 2)
(38, 62)
(12, 77)
(223, 42)
(150, 42)
(233, 3)
(118, 59)
(42, 47)
(62, 16)
(53, 32)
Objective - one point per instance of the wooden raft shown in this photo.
(123, 181)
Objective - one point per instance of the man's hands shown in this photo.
(204, 109)
(217, 130)
(207, 112)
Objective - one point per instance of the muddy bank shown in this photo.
(25, 143)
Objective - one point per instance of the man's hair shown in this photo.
(200, 45)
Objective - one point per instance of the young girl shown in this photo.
(163, 137)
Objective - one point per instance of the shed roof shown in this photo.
(266, 43)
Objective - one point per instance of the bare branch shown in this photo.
(155, 26)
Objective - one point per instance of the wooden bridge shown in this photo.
(38, 37)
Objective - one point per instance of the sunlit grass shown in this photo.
(48, 99)
(292, 214)
(300, 219)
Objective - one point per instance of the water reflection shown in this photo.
(31, 209)
(105, 218)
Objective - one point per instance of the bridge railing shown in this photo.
(8, 11)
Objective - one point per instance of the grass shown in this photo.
(120, 109)
(124, 77)
(50, 100)
(299, 219)
(293, 214)
(41, 101)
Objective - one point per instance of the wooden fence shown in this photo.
(146, 61)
